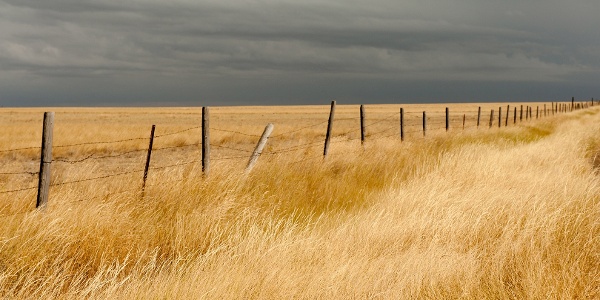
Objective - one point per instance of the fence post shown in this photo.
(148, 157)
(572, 103)
(531, 113)
(205, 140)
(499, 116)
(521, 114)
(515, 119)
(45, 161)
(491, 118)
(329, 127)
(507, 114)
(545, 111)
(537, 112)
(527, 113)
(259, 147)
(424, 123)
(402, 124)
(362, 124)
(478, 116)
(464, 119)
(447, 119)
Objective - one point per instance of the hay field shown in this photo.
(510, 212)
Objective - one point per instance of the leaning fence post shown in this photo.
(148, 157)
(424, 123)
(45, 161)
(478, 116)
(362, 124)
(329, 127)
(491, 118)
(507, 114)
(259, 147)
(205, 140)
(515, 118)
(402, 124)
(447, 119)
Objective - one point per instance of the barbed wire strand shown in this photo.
(235, 132)
(100, 143)
(176, 132)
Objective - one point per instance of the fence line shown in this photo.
(432, 123)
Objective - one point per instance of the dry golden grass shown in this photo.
(501, 213)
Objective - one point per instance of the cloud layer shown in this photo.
(138, 52)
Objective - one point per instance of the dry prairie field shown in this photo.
(473, 212)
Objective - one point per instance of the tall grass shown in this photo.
(510, 213)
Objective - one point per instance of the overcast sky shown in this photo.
(218, 52)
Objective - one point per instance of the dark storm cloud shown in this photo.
(257, 51)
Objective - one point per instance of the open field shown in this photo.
(510, 212)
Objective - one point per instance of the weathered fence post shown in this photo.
(362, 124)
(478, 116)
(205, 141)
(545, 111)
(259, 147)
(537, 112)
(491, 118)
(515, 118)
(507, 114)
(424, 123)
(531, 113)
(402, 124)
(447, 119)
(45, 161)
(148, 157)
(527, 113)
(499, 116)
(521, 114)
(329, 127)
(464, 119)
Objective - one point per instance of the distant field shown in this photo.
(479, 212)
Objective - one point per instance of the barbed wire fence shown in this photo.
(410, 123)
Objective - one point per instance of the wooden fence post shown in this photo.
(572, 103)
(491, 118)
(527, 113)
(148, 157)
(424, 123)
(499, 116)
(537, 112)
(329, 127)
(521, 114)
(205, 140)
(45, 161)
(545, 111)
(507, 114)
(515, 118)
(259, 147)
(531, 113)
(478, 116)
(362, 124)
(402, 124)
(447, 119)
(464, 119)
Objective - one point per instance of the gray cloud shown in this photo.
(151, 51)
